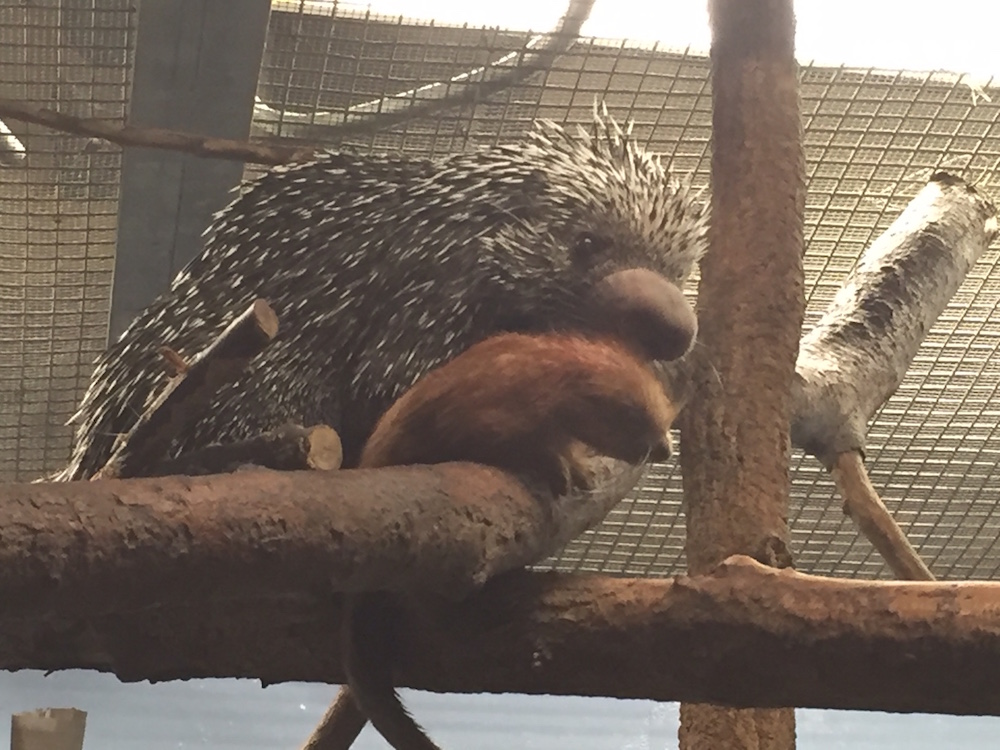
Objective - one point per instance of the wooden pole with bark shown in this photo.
(735, 430)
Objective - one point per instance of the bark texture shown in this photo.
(859, 352)
(744, 635)
(735, 431)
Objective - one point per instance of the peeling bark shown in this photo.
(859, 352)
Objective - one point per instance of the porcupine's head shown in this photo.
(604, 239)
(382, 267)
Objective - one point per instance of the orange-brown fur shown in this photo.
(521, 402)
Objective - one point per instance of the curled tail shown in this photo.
(368, 648)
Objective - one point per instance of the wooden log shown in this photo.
(821, 642)
(289, 448)
(751, 306)
(191, 391)
(854, 359)
(857, 355)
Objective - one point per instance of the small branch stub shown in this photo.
(176, 364)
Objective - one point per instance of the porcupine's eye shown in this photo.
(587, 248)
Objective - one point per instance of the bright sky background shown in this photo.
(958, 36)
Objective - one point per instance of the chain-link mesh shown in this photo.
(872, 140)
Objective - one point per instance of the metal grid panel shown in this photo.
(871, 140)
(58, 212)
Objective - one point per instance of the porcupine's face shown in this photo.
(612, 237)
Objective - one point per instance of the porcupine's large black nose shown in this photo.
(649, 311)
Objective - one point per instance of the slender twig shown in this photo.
(863, 506)
(158, 138)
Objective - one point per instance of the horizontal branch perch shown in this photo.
(115, 544)
(817, 642)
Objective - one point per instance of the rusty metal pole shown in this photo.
(735, 432)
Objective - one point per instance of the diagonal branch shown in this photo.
(857, 355)
(863, 506)
(189, 391)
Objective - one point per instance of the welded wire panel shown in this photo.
(58, 213)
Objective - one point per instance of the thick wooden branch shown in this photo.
(744, 635)
(859, 352)
(189, 391)
(113, 544)
(750, 311)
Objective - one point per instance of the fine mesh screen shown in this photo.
(872, 140)
(58, 213)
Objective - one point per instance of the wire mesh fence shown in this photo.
(58, 213)
(872, 140)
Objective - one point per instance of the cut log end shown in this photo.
(325, 451)
(265, 318)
